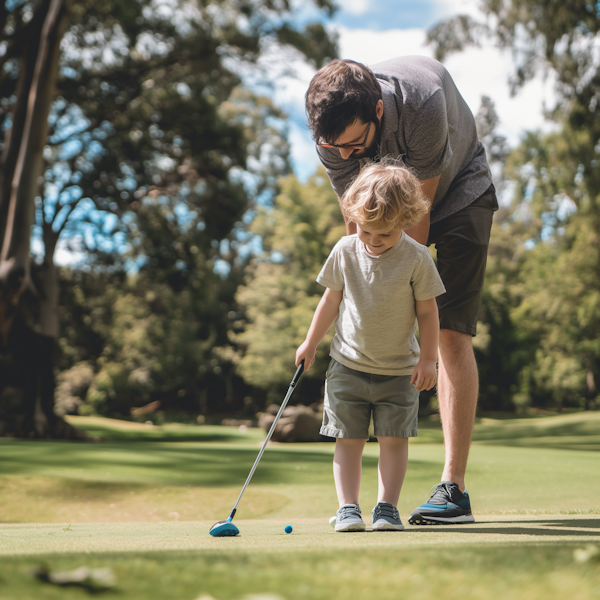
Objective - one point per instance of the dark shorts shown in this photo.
(461, 241)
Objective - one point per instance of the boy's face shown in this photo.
(377, 241)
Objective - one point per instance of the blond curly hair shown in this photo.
(385, 195)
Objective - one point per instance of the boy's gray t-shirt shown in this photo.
(430, 127)
(376, 324)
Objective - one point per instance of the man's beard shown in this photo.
(369, 151)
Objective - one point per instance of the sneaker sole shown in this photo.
(421, 520)
(350, 527)
(387, 527)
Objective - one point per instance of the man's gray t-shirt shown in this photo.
(427, 123)
(376, 324)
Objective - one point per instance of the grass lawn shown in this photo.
(142, 500)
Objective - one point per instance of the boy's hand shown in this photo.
(425, 375)
(306, 352)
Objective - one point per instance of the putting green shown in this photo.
(524, 558)
(309, 535)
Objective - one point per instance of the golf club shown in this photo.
(227, 528)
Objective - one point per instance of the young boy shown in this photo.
(379, 281)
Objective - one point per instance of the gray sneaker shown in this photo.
(348, 518)
(386, 518)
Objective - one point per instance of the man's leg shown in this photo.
(461, 242)
(458, 387)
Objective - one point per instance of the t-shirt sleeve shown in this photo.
(426, 280)
(341, 172)
(331, 275)
(428, 149)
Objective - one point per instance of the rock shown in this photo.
(297, 424)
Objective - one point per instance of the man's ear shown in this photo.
(379, 109)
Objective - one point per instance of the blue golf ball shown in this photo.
(288, 529)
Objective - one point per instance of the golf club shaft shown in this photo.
(290, 391)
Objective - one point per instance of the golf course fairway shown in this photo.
(140, 503)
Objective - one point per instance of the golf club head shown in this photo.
(224, 529)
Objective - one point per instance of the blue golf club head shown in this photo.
(224, 529)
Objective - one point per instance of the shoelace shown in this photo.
(348, 512)
(386, 510)
(443, 492)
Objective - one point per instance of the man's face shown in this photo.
(363, 136)
(377, 241)
(358, 133)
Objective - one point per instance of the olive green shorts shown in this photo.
(461, 241)
(352, 396)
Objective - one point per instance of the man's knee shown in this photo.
(455, 342)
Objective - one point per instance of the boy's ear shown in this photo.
(379, 109)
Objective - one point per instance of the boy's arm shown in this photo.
(425, 374)
(325, 315)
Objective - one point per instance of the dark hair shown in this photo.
(338, 95)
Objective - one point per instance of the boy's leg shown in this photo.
(393, 459)
(347, 469)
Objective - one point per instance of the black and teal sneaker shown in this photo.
(446, 506)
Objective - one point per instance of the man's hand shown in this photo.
(425, 375)
(307, 353)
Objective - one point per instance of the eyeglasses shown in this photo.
(347, 146)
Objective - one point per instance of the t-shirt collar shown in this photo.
(386, 255)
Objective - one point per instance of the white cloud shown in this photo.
(450, 8)
(370, 47)
(357, 7)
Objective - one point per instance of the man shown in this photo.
(409, 108)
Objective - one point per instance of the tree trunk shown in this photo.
(26, 354)
(48, 278)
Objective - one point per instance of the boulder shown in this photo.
(297, 424)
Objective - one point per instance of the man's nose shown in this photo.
(346, 152)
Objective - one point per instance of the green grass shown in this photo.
(141, 502)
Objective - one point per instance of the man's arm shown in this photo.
(420, 231)
(350, 225)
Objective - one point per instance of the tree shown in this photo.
(281, 292)
(148, 97)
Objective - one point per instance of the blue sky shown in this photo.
(389, 14)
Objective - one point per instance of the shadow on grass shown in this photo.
(583, 523)
(524, 528)
(147, 462)
(578, 431)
